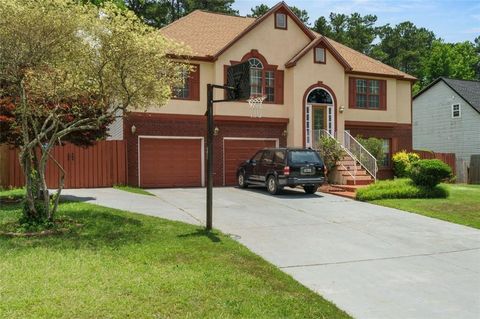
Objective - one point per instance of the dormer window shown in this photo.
(281, 20)
(319, 55)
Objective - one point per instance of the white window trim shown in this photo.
(459, 111)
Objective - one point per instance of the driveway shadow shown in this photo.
(285, 194)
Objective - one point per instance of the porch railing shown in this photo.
(360, 153)
(317, 134)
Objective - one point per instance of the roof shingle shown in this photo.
(208, 33)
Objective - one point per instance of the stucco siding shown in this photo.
(435, 129)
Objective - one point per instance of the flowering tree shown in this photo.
(65, 71)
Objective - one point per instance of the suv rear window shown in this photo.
(304, 157)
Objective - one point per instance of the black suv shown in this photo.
(276, 168)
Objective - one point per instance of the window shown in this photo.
(386, 152)
(270, 85)
(258, 156)
(280, 20)
(190, 87)
(262, 82)
(319, 55)
(456, 110)
(367, 94)
(279, 157)
(182, 92)
(256, 68)
(268, 157)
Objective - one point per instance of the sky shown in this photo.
(451, 20)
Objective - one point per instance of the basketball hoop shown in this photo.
(255, 104)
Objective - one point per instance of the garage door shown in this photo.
(238, 151)
(170, 162)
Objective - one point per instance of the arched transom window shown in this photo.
(262, 82)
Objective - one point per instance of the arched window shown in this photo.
(319, 96)
(256, 70)
(262, 81)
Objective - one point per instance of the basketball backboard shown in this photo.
(238, 77)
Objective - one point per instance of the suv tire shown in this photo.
(310, 189)
(242, 183)
(272, 185)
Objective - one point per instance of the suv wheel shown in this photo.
(241, 180)
(310, 189)
(272, 185)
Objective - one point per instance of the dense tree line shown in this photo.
(414, 50)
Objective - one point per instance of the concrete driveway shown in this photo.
(372, 261)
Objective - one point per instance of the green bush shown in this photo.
(429, 173)
(330, 151)
(374, 146)
(399, 188)
(402, 162)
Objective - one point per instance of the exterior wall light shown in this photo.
(133, 129)
(341, 109)
(216, 130)
(284, 133)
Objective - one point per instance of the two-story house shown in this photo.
(312, 85)
(446, 119)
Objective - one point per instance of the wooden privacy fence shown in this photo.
(474, 173)
(448, 158)
(101, 165)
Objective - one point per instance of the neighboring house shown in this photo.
(446, 118)
(312, 83)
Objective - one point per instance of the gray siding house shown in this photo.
(446, 119)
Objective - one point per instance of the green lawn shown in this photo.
(12, 193)
(125, 265)
(461, 207)
(132, 189)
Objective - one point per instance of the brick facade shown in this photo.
(400, 136)
(154, 124)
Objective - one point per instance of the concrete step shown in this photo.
(360, 172)
(359, 182)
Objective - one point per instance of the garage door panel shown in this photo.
(170, 162)
(238, 151)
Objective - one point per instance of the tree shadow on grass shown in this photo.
(202, 233)
(99, 229)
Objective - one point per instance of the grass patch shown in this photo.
(132, 189)
(125, 265)
(399, 188)
(461, 207)
(14, 193)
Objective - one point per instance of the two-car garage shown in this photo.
(177, 161)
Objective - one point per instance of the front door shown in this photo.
(319, 122)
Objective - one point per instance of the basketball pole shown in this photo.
(210, 156)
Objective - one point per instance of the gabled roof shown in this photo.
(319, 40)
(210, 34)
(469, 90)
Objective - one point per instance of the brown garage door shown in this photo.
(170, 162)
(237, 151)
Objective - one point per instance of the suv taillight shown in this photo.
(286, 170)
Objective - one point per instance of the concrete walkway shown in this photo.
(372, 261)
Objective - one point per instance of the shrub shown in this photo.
(402, 162)
(330, 151)
(429, 173)
(399, 188)
(374, 146)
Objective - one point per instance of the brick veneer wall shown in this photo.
(191, 125)
(399, 134)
